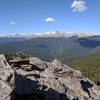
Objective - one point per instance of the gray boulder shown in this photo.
(38, 63)
(42, 80)
(6, 79)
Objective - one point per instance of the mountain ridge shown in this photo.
(49, 34)
(54, 47)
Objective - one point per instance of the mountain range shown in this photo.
(49, 34)
(50, 45)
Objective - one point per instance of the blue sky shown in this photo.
(31, 16)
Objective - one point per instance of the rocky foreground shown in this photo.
(41, 80)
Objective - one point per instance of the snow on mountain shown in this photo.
(24, 35)
(49, 34)
(19, 35)
(65, 34)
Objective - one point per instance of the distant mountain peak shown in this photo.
(49, 34)
(66, 34)
(17, 35)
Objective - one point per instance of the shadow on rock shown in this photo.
(26, 89)
(86, 85)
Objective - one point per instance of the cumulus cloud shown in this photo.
(79, 5)
(12, 22)
(50, 19)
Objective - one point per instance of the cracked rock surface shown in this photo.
(42, 80)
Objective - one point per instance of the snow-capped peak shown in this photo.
(49, 34)
(66, 34)
(17, 35)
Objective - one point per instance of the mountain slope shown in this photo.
(4, 40)
(89, 66)
(52, 47)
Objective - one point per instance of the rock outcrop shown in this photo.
(42, 80)
(6, 79)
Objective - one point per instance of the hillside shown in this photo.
(52, 47)
(4, 40)
(89, 66)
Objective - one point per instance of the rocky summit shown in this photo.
(35, 79)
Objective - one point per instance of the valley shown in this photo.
(52, 47)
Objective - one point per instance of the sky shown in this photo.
(30, 16)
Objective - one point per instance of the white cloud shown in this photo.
(50, 19)
(12, 22)
(78, 5)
